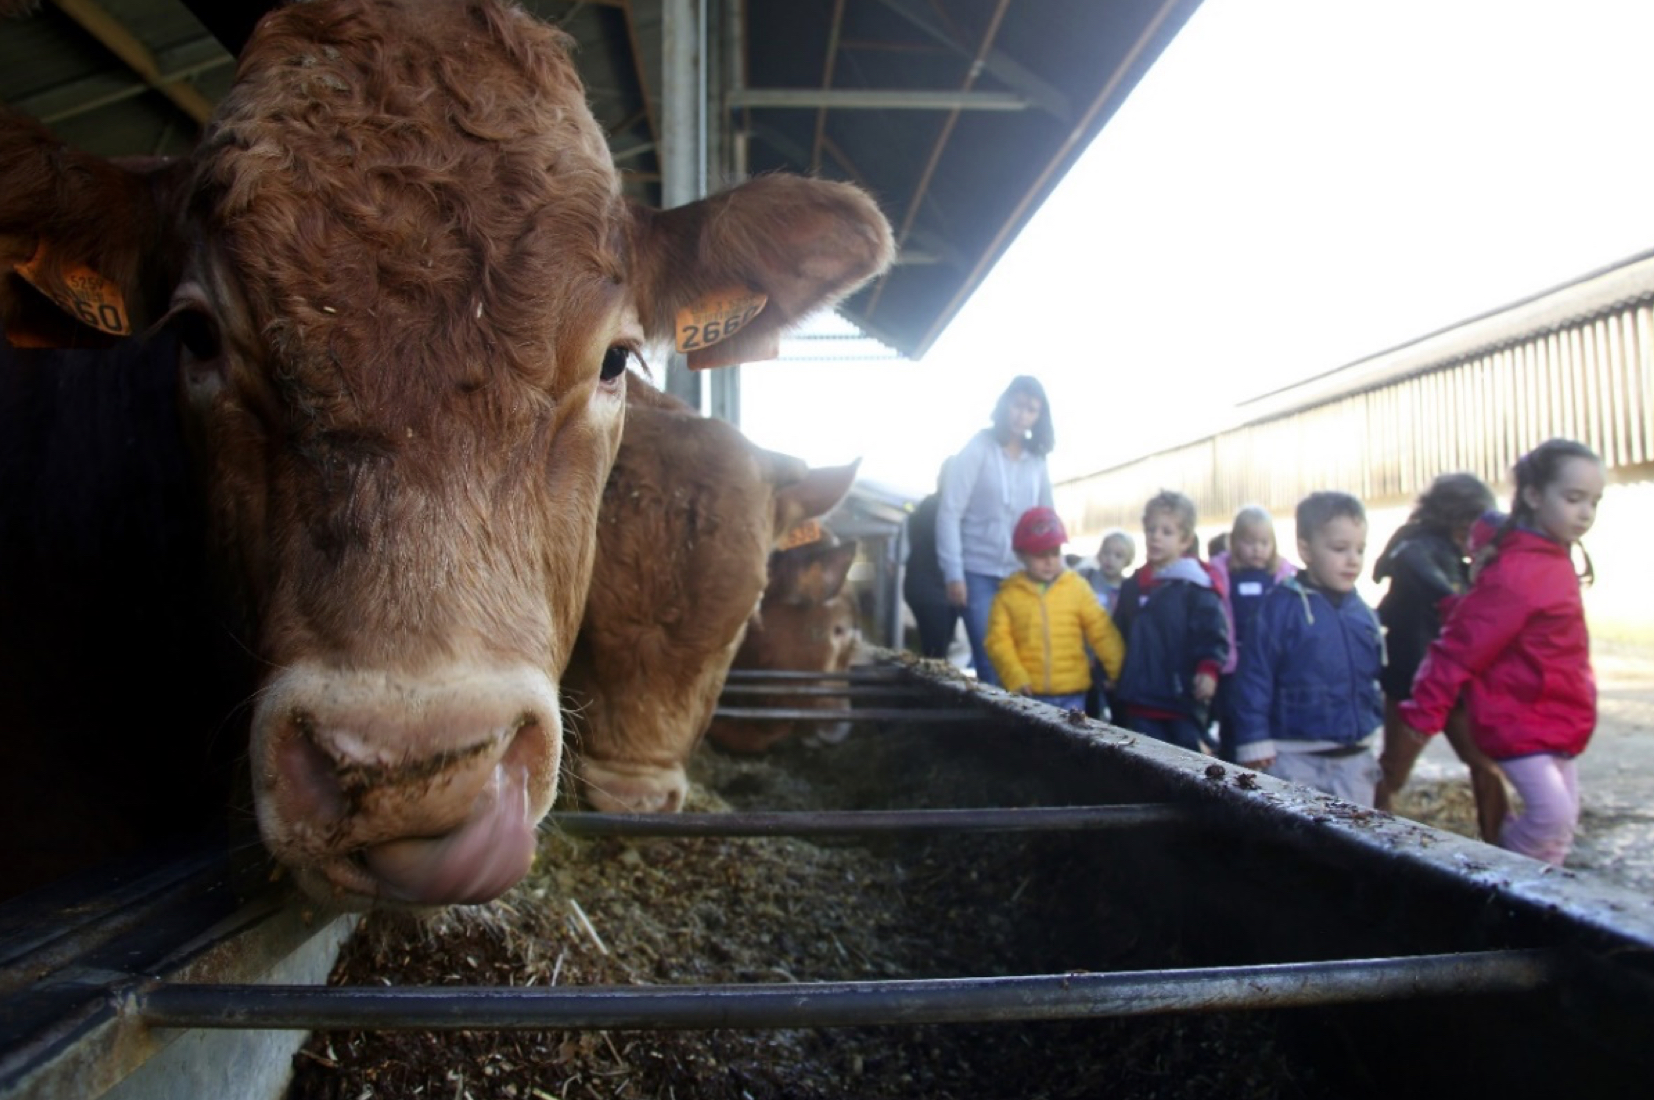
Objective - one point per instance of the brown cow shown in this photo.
(408, 297)
(806, 623)
(689, 517)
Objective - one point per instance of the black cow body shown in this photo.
(119, 684)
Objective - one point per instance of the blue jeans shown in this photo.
(1064, 702)
(1182, 732)
(980, 590)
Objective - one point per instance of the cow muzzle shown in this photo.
(627, 787)
(410, 790)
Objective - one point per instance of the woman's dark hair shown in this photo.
(1452, 502)
(1043, 438)
(1536, 470)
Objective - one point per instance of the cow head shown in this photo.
(689, 519)
(408, 297)
(806, 623)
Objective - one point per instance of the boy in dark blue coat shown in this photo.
(1170, 613)
(1306, 701)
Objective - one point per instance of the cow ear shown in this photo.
(89, 248)
(815, 494)
(794, 244)
(834, 570)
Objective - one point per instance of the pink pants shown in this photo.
(1549, 786)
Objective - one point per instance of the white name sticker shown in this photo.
(1249, 588)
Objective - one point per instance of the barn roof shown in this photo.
(959, 115)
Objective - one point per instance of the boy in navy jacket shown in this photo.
(1307, 704)
(1170, 613)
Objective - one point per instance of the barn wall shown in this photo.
(1577, 362)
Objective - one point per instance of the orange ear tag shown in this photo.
(801, 535)
(85, 295)
(717, 317)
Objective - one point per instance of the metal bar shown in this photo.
(859, 714)
(938, 146)
(858, 822)
(1036, 191)
(872, 99)
(835, 27)
(848, 1004)
(787, 675)
(859, 691)
(125, 45)
(1006, 70)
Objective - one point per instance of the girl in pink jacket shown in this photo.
(1517, 644)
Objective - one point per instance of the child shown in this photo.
(1517, 642)
(1306, 701)
(1248, 570)
(1115, 553)
(1042, 617)
(1426, 565)
(1171, 615)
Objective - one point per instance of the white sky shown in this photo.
(1296, 184)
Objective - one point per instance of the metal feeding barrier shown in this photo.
(94, 986)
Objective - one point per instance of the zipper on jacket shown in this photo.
(1045, 628)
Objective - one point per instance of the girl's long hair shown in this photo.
(1042, 439)
(1536, 470)
(1254, 516)
(1453, 502)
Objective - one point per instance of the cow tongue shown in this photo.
(477, 862)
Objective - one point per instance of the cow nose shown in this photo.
(425, 789)
(618, 787)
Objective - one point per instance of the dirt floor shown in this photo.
(1616, 778)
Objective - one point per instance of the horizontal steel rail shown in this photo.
(813, 691)
(1076, 995)
(864, 674)
(859, 822)
(847, 714)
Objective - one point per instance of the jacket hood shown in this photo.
(1185, 569)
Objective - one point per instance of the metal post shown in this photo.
(683, 142)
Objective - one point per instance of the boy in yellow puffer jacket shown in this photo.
(1043, 616)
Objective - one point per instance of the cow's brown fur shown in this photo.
(690, 515)
(407, 265)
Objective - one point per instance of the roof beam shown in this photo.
(840, 99)
(827, 68)
(936, 149)
(1007, 71)
(79, 97)
(126, 46)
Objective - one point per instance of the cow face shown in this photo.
(410, 296)
(806, 623)
(689, 519)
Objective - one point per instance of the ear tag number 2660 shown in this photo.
(716, 318)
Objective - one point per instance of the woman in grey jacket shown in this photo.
(999, 474)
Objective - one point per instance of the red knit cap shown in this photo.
(1039, 530)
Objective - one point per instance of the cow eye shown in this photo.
(198, 332)
(614, 362)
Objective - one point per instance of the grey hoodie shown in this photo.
(983, 496)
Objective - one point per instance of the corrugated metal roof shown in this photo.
(958, 180)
